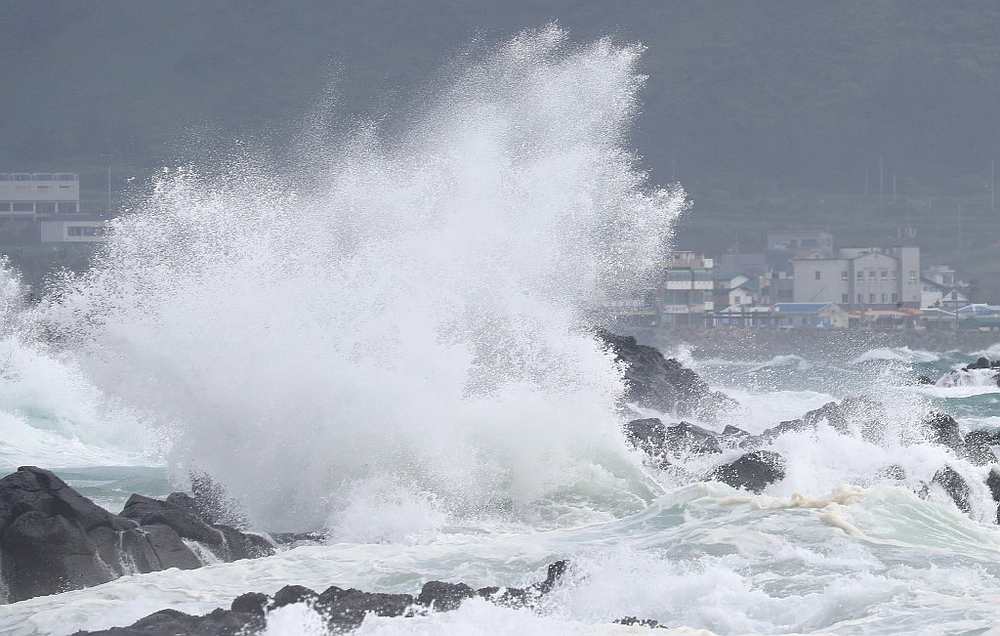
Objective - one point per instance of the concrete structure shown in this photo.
(861, 278)
(940, 287)
(801, 243)
(688, 289)
(82, 229)
(25, 194)
(814, 315)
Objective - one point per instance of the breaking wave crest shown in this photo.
(408, 310)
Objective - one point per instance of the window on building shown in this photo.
(860, 301)
(819, 275)
(895, 297)
(843, 299)
(871, 273)
(45, 207)
(67, 208)
(74, 230)
(885, 274)
(4, 207)
(871, 299)
(885, 298)
(913, 276)
(861, 275)
(843, 275)
(23, 207)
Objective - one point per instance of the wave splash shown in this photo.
(404, 310)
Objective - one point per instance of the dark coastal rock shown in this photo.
(213, 504)
(253, 603)
(978, 447)
(993, 483)
(662, 383)
(170, 622)
(894, 472)
(444, 596)
(688, 438)
(53, 539)
(955, 486)
(753, 471)
(924, 380)
(734, 433)
(291, 594)
(346, 609)
(983, 363)
(941, 428)
(640, 622)
(660, 441)
(864, 414)
(147, 511)
(342, 609)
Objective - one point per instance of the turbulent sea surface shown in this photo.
(389, 343)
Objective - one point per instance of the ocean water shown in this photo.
(387, 341)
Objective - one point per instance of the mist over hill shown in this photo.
(756, 107)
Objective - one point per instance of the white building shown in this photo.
(940, 287)
(24, 194)
(861, 278)
(91, 230)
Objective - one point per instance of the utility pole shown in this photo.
(881, 182)
(993, 185)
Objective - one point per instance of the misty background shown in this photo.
(870, 119)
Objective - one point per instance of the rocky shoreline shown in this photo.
(52, 539)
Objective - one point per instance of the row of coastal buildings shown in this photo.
(44, 207)
(801, 279)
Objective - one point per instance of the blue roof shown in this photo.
(800, 308)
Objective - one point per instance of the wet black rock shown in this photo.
(942, 428)
(253, 603)
(862, 414)
(147, 511)
(640, 622)
(688, 438)
(983, 363)
(753, 471)
(662, 442)
(894, 472)
(662, 383)
(993, 483)
(444, 596)
(955, 485)
(978, 447)
(291, 594)
(734, 433)
(342, 609)
(53, 539)
(925, 380)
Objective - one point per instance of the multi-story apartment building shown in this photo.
(861, 277)
(688, 289)
(25, 194)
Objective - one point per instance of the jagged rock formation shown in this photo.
(753, 471)
(982, 371)
(664, 384)
(53, 539)
(342, 609)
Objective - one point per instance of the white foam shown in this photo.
(897, 354)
